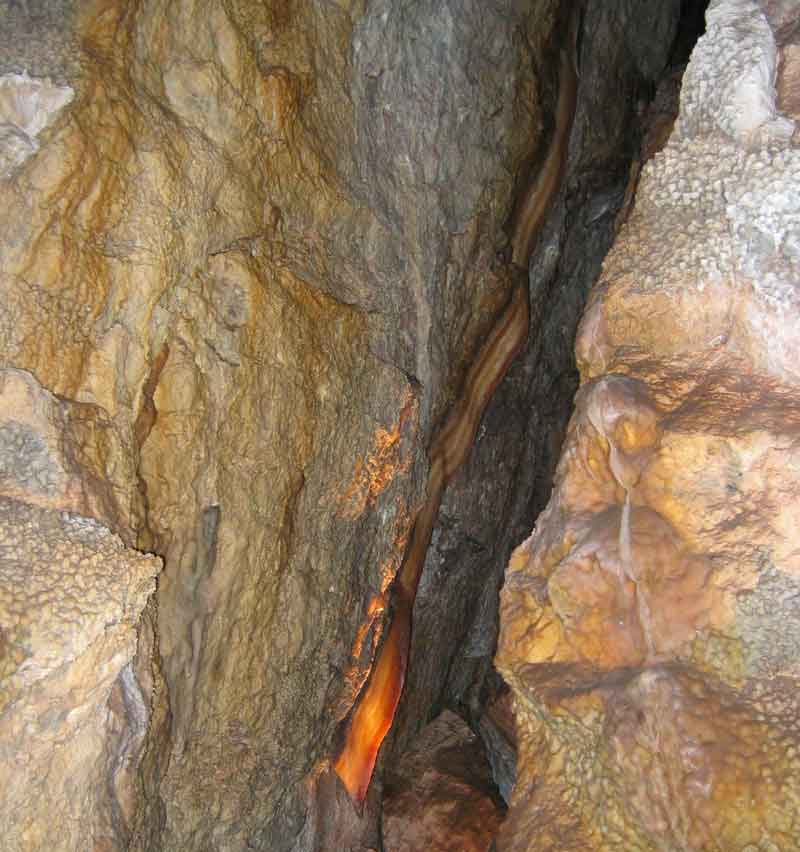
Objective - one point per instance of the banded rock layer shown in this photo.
(247, 252)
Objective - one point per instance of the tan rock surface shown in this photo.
(648, 625)
(242, 273)
(788, 84)
(71, 595)
(63, 455)
(440, 796)
(227, 265)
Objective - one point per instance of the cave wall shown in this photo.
(247, 252)
(486, 511)
(648, 624)
(222, 224)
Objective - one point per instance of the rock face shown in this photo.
(71, 595)
(498, 730)
(487, 508)
(73, 713)
(648, 625)
(246, 253)
(440, 795)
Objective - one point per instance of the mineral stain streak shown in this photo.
(374, 712)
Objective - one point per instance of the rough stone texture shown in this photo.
(498, 730)
(445, 110)
(440, 795)
(27, 106)
(788, 85)
(242, 277)
(648, 624)
(252, 258)
(62, 455)
(507, 479)
(70, 599)
(37, 38)
(737, 98)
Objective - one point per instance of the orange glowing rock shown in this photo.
(373, 716)
(375, 711)
(386, 460)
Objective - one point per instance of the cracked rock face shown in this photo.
(647, 625)
(243, 271)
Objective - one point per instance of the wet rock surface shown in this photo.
(247, 253)
(241, 334)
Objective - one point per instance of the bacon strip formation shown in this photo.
(374, 711)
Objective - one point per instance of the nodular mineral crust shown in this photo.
(649, 624)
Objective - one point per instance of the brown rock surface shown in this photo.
(71, 595)
(243, 245)
(73, 712)
(649, 624)
(788, 85)
(440, 795)
(247, 253)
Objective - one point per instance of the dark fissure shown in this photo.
(630, 61)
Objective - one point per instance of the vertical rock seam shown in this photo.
(375, 708)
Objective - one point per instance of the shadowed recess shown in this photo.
(375, 708)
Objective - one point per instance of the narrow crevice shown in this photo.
(598, 194)
(143, 425)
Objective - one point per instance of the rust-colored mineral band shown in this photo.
(376, 705)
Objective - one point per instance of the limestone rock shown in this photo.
(70, 599)
(440, 795)
(27, 106)
(242, 276)
(648, 623)
(740, 55)
(61, 455)
(487, 508)
(203, 265)
(498, 731)
(788, 85)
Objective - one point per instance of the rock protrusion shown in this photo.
(652, 709)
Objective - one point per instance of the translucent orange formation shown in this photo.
(373, 475)
(374, 714)
(378, 701)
